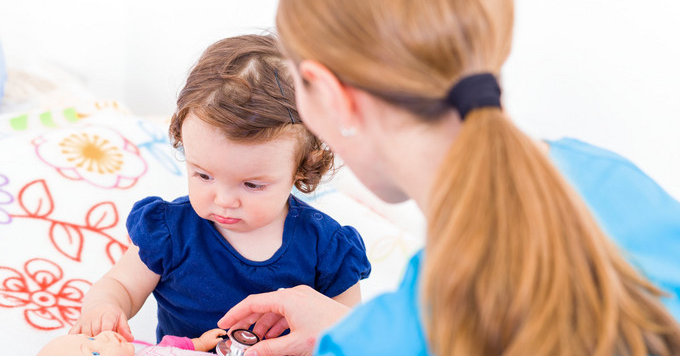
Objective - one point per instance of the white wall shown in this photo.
(604, 71)
(600, 70)
(135, 51)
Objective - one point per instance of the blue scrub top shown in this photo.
(642, 219)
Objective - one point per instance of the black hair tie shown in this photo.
(475, 91)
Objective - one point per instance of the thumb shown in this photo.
(271, 347)
(284, 345)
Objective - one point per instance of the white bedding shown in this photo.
(62, 211)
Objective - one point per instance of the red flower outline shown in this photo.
(36, 201)
(47, 305)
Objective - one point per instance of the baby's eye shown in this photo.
(203, 176)
(254, 186)
(95, 353)
(90, 338)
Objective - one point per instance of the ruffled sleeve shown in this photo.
(148, 230)
(342, 262)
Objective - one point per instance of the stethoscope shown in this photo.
(241, 339)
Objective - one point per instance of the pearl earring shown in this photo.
(348, 132)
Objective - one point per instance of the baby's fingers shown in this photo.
(95, 327)
(109, 321)
(124, 329)
(76, 329)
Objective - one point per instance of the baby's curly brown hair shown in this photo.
(241, 86)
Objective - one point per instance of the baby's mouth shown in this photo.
(225, 220)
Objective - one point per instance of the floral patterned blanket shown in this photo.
(68, 178)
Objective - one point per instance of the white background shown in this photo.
(605, 71)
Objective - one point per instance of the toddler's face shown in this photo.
(242, 187)
(106, 343)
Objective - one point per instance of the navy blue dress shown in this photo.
(203, 276)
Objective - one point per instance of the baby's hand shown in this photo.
(208, 340)
(102, 317)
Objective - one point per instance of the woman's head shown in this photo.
(241, 86)
(405, 54)
(408, 53)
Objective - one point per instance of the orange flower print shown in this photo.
(92, 153)
(97, 155)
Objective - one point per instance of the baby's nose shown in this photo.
(227, 199)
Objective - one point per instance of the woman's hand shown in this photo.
(302, 309)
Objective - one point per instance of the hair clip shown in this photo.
(276, 75)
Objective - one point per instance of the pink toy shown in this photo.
(110, 343)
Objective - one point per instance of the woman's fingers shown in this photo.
(278, 328)
(246, 322)
(251, 309)
(301, 309)
(284, 345)
(265, 323)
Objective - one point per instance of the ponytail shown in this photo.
(516, 265)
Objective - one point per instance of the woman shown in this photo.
(514, 264)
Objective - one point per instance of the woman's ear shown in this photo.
(335, 98)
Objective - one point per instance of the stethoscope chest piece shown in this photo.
(241, 339)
